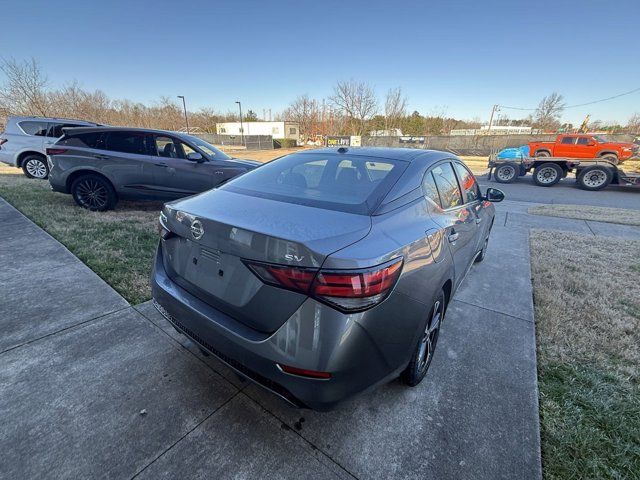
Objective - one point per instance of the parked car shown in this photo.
(326, 272)
(100, 165)
(25, 139)
(581, 145)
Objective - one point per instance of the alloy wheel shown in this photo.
(506, 173)
(430, 336)
(595, 178)
(547, 175)
(91, 194)
(36, 168)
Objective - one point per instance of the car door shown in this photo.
(124, 158)
(175, 174)
(473, 200)
(456, 218)
(566, 147)
(586, 147)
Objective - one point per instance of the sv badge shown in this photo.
(293, 258)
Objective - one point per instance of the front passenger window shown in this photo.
(467, 182)
(169, 147)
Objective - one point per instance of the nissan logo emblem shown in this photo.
(197, 231)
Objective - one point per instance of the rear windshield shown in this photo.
(348, 183)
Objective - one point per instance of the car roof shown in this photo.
(405, 154)
(20, 118)
(124, 129)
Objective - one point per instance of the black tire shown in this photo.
(547, 174)
(506, 173)
(594, 178)
(35, 166)
(94, 192)
(610, 157)
(423, 353)
(542, 154)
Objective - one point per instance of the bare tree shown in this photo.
(633, 125)
(550, 108)
(395, 108)
(24, 90)
(305, 112)
(357, 100)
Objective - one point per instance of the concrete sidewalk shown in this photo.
(90, 386)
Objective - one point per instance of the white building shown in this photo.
(277, 130)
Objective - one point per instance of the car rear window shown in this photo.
(348, 183)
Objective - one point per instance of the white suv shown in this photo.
(25, 139)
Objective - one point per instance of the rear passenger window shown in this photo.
(568, 140)
(447, 186)
(467, 182)
(430, 189)
(583, 140)
(39, 129)
(84, 140)
(55, 129)
(126, 142)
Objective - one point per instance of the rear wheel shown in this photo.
(423, 353)
(506, 173)
(94, 192)
(542, 154)
(547, 174)
(594, 178)
(35, 166)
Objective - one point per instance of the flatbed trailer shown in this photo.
(591, 174)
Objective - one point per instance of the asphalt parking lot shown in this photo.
(524, 190)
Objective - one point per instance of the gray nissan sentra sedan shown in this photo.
(325, 272)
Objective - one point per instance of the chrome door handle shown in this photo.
(453, 237)
(478, 220)
(102, 157)
(161, 165)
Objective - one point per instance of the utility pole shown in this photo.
(241, 127)
(184, 106)
(496, 108)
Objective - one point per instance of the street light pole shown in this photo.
(241, 127)
(184, 106)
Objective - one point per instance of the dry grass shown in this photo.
(118, 245)
(586, 212)
(587, 309)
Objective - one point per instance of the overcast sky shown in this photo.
(448, 56)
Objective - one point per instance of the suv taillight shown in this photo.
(56, 151)
(346, 290)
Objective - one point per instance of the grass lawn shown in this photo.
(584, 212)
(117, 245)
(587, 309)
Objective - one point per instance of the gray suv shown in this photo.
(25, 139)
(100, 165)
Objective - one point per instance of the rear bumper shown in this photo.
(316, 337)
(8, 158)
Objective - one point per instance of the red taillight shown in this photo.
(304, 373)
(56, 151)
(292, 278)
(346, 290)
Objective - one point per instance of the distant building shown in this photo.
(277, 130)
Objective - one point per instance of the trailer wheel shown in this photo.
(506, 173)
(594, 178)
(547, 174)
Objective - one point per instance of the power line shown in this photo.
(580, 104)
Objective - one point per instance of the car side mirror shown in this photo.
(494, 195)
(195, 157)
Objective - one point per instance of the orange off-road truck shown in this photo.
(584, 145)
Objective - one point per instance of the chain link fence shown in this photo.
(251, 142)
